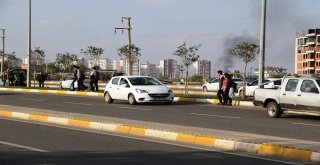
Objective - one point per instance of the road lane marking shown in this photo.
(22, 146)
(314, 125)
(200, 114)
(78, 103)
(142, 109)
(31, 99)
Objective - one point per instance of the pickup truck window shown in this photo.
(309, 86)
(292, 85)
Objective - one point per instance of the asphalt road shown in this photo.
(186, 114)
(28, 143)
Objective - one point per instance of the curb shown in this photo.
(190, 138)
(176, 99)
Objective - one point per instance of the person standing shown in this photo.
(225, 88)
(94, 78)
(219, 93)
(41, 80)
(79, 77)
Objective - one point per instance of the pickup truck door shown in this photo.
(288, 94)
(308, 97)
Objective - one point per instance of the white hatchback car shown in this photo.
(137, 89)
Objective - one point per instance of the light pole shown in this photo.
(129, 58)
(3, 52)
(262, 42)
(29, 49)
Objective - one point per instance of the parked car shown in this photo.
(213, 85)
(137, 89)
(66, 83)
(299, 94)
(268, 83)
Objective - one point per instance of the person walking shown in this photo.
(94, 78)
(225, 88)
(79, 77)
(231, 87)
(219, 93)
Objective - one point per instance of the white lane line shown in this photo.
(31, 99)
(314, 125)
(200, 114)
(22, 146)
(77, 103)
(142, 109)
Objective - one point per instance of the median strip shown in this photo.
(183, 137)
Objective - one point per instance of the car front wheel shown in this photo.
(274, 111)
(108, 98)
(132, 100)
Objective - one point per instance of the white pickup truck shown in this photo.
(299, 94)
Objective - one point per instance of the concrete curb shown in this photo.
(176, 99)
(190, 138)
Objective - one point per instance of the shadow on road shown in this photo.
(124, 158)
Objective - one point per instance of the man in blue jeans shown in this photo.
(220, 92)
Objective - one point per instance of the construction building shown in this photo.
(307, 59)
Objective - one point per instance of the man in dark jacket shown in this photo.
(220, 92)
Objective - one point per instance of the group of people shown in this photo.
(14, 79)
(226, 88)
(79, 77)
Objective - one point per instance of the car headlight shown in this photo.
(141, 91)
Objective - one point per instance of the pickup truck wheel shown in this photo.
(274, 111)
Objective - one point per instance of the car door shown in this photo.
(113, 88)
(308, 96)
(214, 85)
(288, 94)
(123, 89)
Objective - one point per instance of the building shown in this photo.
(169, 69)
(272, 72)
(83, 61)
(148, 69)
(103, 63)
(135, 68)
(37, 61)
(119, 65)
(202, 68)
(307, 58)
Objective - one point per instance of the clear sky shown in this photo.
(159, 27)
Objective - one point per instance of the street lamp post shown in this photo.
(29, 49)
(262, 43)
(129, 58)
(3, 52)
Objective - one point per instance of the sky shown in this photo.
(159, 27)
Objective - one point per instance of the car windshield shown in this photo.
(144, 81)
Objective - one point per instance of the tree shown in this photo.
(36, 56)
(93, 54)
(64, 61)
(11, 58)
(188, 55)
(131, 57)
(247, 52)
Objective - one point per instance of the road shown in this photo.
(186, 114)
(25, 143)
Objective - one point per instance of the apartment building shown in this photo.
(307, 59)
(169, 68)
(148, 69)
(202, 68)
(103, 63)
(119, 65)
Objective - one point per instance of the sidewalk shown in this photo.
(227, 140)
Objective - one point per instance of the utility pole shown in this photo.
(29, 49)
(129, 58)
(262, 43)
(3, 52)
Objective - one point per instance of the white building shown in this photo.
(83, 61)
(202, 68)
(103, 63)
(38, 61)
